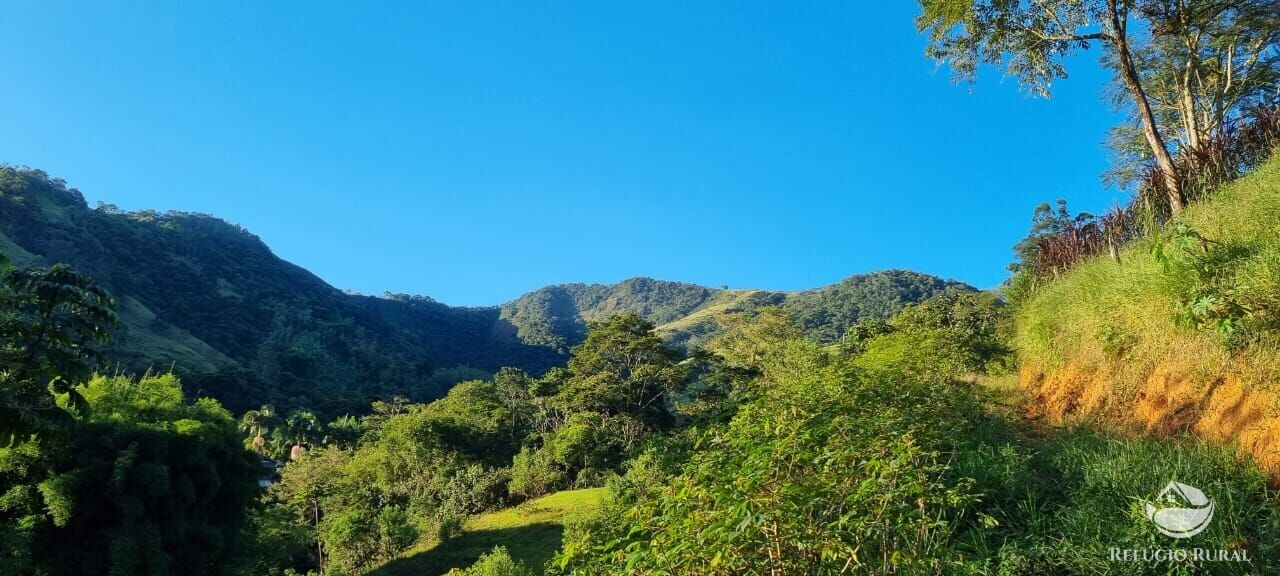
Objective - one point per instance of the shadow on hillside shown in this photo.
(533, 544)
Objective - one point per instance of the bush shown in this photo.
(497, 562)
(534, 473)
(828, 471)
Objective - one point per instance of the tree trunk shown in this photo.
(1129, 73)
(1190, 121)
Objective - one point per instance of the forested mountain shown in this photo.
(210, 301)
(556, 316)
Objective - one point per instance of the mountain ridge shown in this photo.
(212, 300)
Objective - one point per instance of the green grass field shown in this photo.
(531, 532)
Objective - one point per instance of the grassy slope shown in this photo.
(695, 328)
(1105, 340)
(531, 532)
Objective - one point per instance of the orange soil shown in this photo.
(1172, 399)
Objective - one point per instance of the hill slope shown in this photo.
(1183, 333)
(239, 323)
(531, 532)
(211, 300)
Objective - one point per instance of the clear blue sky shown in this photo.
(472, 151)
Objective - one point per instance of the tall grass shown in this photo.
(1206, 296)
(1058, 507)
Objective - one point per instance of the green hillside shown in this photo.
(1182, 332)
(531, 533)
(825, 313)
(557, 316)
(210, 301)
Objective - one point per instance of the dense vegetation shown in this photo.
(106, 475)
(885, 461)
(209, 301)
(238, 323)
(647, 427)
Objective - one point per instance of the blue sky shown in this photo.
(472, 151)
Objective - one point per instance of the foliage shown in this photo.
(1204, 287)
(50, 319)
(210, 300)
(826, 313)
(497, 563)
(945, 337)
(1059, 507)
(1206, 66)
(827, 471)
(146, 484)
(835, 471)
(622, 368)
(530, 532)
(1234, 148)
(238, 323)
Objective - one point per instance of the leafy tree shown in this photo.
(497, 562)
(258, 424)
(146, 484)
(1032, 38)
(343, 432)
(945, 337)
(1204, 65)
(512, 387)
(622, 367)
(826, 472)
(747, 339)
(303, 429)
(50, 318)
(473, 420)
(309, 488)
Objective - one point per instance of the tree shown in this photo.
(258, 423)
(1031, 39)
(1207, 59)
(1205, 66)
(50, 319)
(303, 430)
(622, 367)
(748, 339)
(145, 483)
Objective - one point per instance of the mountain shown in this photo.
(557, 316)
(209, 300)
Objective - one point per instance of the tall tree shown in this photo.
(1206, 63)
(622, 368)
(1031, 38)
(258, 423)
(50, 319)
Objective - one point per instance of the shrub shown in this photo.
(534, 473)
(828, 471)
(497, 562)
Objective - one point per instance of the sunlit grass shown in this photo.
(1126, 313)
(531, 532)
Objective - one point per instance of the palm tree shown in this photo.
(304, 429)
(258, 423)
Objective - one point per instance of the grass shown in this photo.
(532, 533)
(1132, 317)
(1067, 318)
(694, 328)
(1056, 500)
(17, 255)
